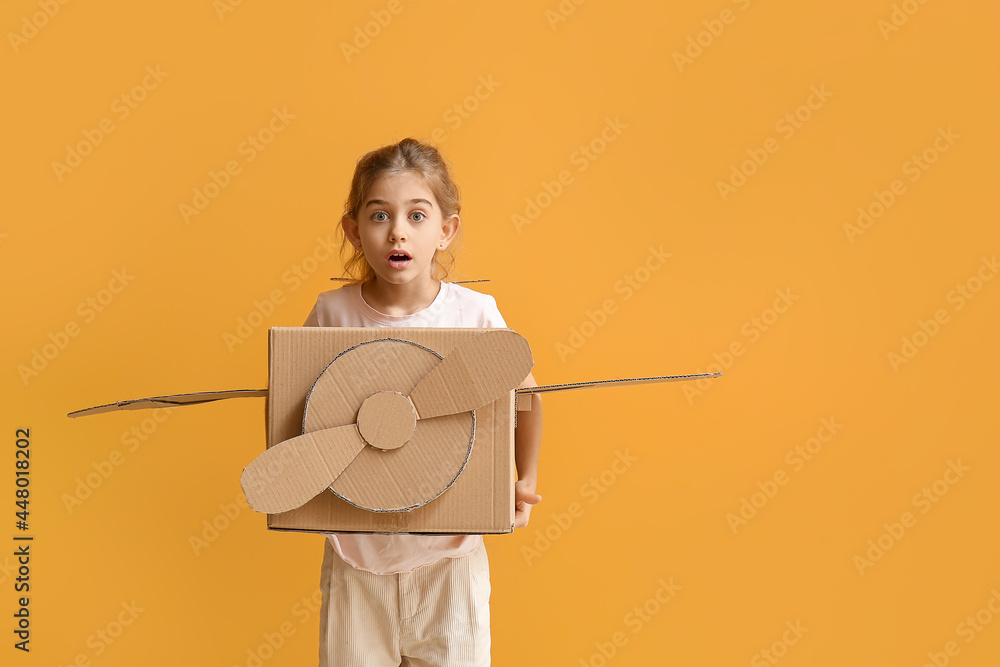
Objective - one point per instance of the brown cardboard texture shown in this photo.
(410, 428)
(171, 401)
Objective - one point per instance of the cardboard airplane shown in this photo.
(389, 420)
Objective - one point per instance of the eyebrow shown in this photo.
(382, 202)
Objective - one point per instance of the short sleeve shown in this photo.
(313, 319)
(491, 315)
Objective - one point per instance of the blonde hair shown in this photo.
(409, 155)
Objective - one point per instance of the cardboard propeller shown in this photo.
(419, 426)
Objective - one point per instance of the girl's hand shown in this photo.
(524, 498)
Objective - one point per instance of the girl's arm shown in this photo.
(527, 445)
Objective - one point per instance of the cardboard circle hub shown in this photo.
(387, 420)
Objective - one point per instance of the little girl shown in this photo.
(410, 599)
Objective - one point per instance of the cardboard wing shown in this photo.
(169, 401)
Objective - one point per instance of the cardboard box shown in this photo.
(481, 497)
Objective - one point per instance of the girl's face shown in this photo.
(400, 227)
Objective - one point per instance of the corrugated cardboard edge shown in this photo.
(525, 392)
(172, 400)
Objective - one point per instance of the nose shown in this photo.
(397, 231)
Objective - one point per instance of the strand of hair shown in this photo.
(457, 282)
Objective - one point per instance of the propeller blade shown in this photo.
(294, 471)
(475, 373)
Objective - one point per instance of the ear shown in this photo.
(449, 229)
(350, 226)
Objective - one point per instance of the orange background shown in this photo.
(680, 127)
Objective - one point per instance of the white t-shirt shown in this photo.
(455, 306)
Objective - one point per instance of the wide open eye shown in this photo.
(380, 216)
(418, 216)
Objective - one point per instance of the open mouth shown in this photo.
(398, 259)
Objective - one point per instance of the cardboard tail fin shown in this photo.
(169, 401)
